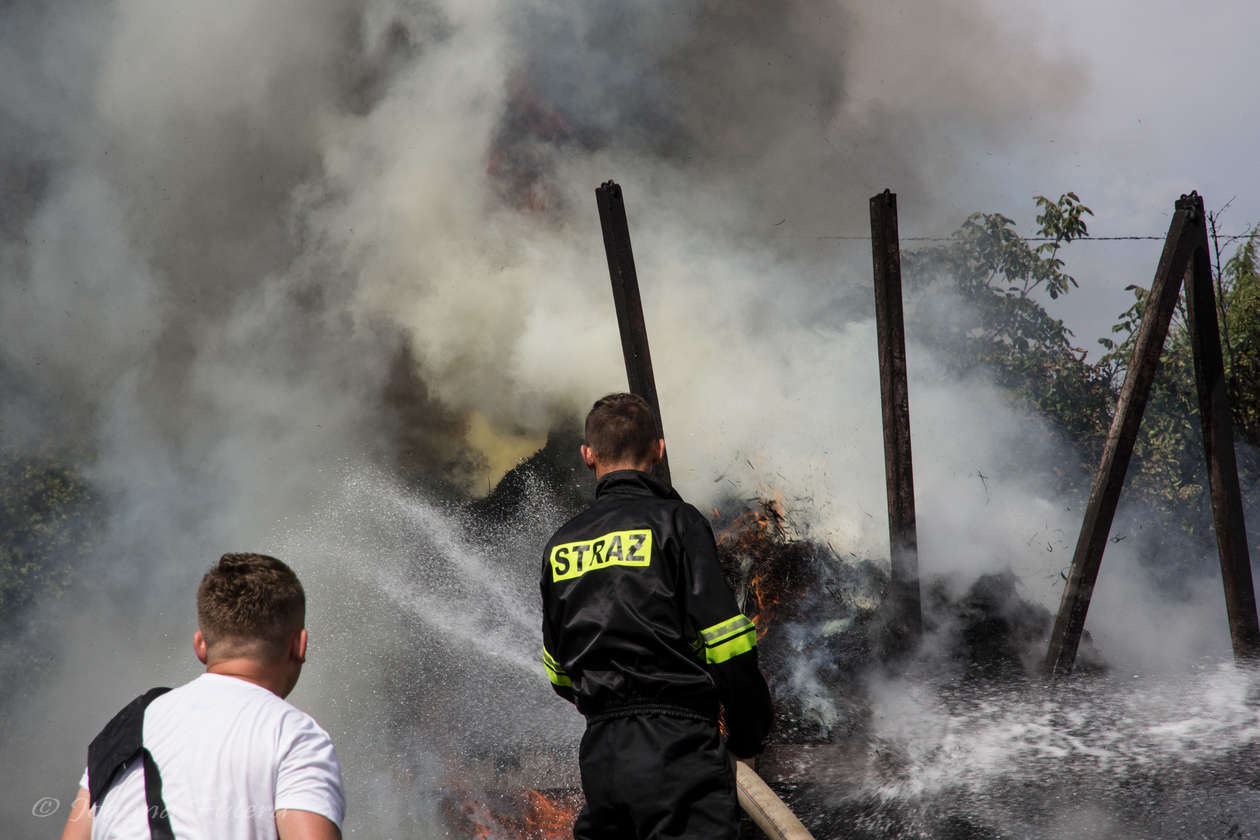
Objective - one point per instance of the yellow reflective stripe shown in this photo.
(724, 629)
(730, 648)
(616, 548)
(728, 639)
(554, 672)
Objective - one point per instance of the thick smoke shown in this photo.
(256, 255)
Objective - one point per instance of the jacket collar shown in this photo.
(632, 483)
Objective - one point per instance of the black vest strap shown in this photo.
(159, 820)
(117, 745)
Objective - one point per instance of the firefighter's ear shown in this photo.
(660, 451)
(588, 456)
(200, 647)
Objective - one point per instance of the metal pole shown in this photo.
(625, 287)
(1105, 495)
(1218, 444)
(898, 470)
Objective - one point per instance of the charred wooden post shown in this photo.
(625, 287)
(890, 327)
(1218, 444)
(1179, 246)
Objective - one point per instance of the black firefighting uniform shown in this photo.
(641, 632)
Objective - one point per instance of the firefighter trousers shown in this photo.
(656, 773)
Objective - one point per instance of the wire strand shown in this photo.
(1225, 239)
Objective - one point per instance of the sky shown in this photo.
(1168, 106)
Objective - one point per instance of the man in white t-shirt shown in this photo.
(223, 757)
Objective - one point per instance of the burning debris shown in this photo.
(808, 606)
(995, 634)
(822, 623)
(525, 815)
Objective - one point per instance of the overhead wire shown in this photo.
(1223, 238)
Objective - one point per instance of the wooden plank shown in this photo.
(1105, 494)
(895, 400)
(625, 287)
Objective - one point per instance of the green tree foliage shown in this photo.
(1239, 282)
(1004, 279)
(1001, 277)
(1169, 466)
(49, 517)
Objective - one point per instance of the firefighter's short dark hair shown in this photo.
(621, 427)
(250, 604)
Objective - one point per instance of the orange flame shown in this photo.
(766, 603)
(550, 817)
(477, 817)
(525, 815)
(754, 532)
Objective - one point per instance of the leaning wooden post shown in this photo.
(898, 471)
(1105, 495)
(1218, 444)
(625, 287)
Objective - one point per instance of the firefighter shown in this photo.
(642, 633)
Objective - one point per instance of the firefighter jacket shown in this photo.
(637, 612)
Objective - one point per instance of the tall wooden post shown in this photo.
(1218, 444)
(625, 287)
(1118, 450)
(1185, 249)
(894, 391)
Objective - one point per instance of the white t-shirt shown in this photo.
(231, 754)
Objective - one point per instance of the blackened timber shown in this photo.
(895, 398)
(625, 287)
(1118, 450)
(1218, 444)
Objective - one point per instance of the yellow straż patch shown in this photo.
(617, 548)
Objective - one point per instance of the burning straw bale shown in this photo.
(816, 617)
(553, 473)
(822, 623)
(992, 631)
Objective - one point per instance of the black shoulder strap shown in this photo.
(118, 744)
(159, 820)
